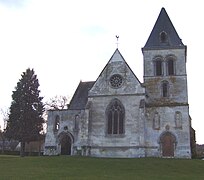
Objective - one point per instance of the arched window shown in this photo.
(115, 114)
(56, 123)
(163, 37)
(170, 66)
(165, 89)
(76, 123)
(178, 119)
(158, 67)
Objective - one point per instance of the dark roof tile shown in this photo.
(80, 96)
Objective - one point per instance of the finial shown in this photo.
(117, 37)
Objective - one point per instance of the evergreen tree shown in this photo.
(25, 121)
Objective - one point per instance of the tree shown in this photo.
(57, 103)
(4, 112)
(2, 140)
(25, 121)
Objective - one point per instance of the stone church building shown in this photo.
(118, 116)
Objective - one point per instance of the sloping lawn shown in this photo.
(81, 168)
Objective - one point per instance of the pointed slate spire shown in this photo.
(163, 34)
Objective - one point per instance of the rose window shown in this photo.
(116, 81)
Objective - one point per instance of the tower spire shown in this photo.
(163, 33)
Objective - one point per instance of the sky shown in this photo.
(68, 41)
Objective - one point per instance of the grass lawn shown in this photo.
(81, 168)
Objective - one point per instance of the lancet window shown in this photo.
(115, 114)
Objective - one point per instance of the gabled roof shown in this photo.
(116, 65)
(116, 57)
(80, 96)
(170, 36)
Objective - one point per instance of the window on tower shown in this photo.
(170, 66)
(165, 89)
(158, 67)
(163, 37)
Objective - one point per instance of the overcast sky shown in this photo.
(66, 41)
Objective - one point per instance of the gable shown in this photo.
(116, 79)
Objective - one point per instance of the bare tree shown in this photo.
(57, 103)
(5, 113)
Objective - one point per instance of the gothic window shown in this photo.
(116, 81)
(170, 66)
(56, 123)
(163, 37)
(115, 114)
(178, 119)
(156, 121)
(158, 67)
(165, 89)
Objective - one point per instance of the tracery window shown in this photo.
(116, 81)
(115, 114)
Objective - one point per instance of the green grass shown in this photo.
(82, 168)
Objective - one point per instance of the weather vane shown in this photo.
(117, 37)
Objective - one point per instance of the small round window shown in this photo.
(116, 81)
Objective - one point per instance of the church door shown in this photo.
(66, 145)
(168, 143)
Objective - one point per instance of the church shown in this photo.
(118, 116)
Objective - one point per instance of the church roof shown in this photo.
(80, 96)
(117, 57)
(116, 66)
(163, 34)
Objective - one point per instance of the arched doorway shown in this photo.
(66, 143)
(168, 142)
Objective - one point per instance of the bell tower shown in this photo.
(165, 80)
(164, 54)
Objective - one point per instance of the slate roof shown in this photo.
(80, 96)
(163, 24)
